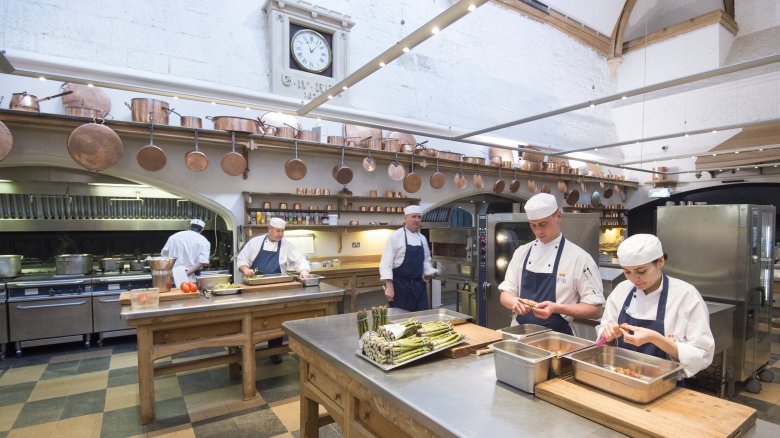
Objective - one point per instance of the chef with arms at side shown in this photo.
(655, 314)
(270, 254)
(406, 264)
(550, 280)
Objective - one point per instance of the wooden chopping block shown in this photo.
(477, 337)
(680, 411)
(174, 294)
(245, 288)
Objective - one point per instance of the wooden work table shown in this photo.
(355, 277)
(236, 322)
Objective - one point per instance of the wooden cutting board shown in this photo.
(174, 294)
(477, 337)
(679, 412)
(245, 288)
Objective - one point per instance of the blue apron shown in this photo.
(540, 287)
(410, 291)
(267, 262)
(656, 324)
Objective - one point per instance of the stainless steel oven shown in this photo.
(48, 310)
(498, 236)
(105, 302)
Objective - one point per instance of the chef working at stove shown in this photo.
(191, 250)
(406, 264)
(271, 253)
(656, 314)
(550, 280)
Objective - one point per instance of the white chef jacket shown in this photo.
(687, 319)
(288, 255)
(189, 248)
(578, 280)
(395, 251)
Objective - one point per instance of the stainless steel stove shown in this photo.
(3, 319)
(106, 289)
(46, 309)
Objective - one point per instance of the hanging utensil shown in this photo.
(582, 186)
(479, 182)
(233, 163)
(562, 187)
(571, 196)
(295, 168)
(595, 199)
(498, 186)
(95, 146)
(514, 186)
(395, 170)
(186, 121)
(151, 157)
(608, 193)
(341, 172)
(412, 180)
(623, 196)
(460, 179)
(369, 164)
(545, 188)
(531, 185)
(196, 160)
(437, 178)
(6, 139)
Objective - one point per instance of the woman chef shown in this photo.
(655, 314)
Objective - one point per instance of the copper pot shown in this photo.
(552, 166)
(449, 155)
(374, 143)
(391, 145)
(283, 206)
(235, 124)
(427, 152)
(83, 112)
(142, 107)
(266, 205)
(531, 166)
(307, 135)
(286, 132)
(27, 102)
(336, 139)
(474, 160)
(407, 148)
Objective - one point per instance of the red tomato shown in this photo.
(185, 287)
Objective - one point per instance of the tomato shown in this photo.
(193, 287)
(185, 287)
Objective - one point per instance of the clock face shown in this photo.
(311, 51)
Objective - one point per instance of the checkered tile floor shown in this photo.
(65, 391)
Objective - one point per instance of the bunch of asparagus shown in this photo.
(379, 314)
(362, 322)
(421, 339)
(405, 329)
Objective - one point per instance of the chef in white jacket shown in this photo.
(656, 314)
(191, 250)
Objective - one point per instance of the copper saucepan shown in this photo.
(498, 186)
(341, 172)
(395, 170)
(196, 160)
(151, 157)
(514, 186)
(27, 102)
(143, 110)
(235, 124)
(233, 163)
(78, 111)
(295, 168)
(187, 121)
(84, 96)
(412, 181)
(437, 178)
(460, 179)
(6, 140)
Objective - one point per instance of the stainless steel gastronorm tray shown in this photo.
(559, 344)
(313, 280)
(391, 367)
(520, 331)
(596, 367)
(230, 291)
(448, 315)
(268, 279)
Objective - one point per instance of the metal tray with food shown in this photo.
(559, 344)
(415, 359)
(629, 374)
(259, 279)
(311, 280)
(520, 331)
(226, 291)
(448, 315)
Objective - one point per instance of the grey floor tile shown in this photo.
(4, 434)
(94, 364)
(122, 376)
(121, 423)
(18, 393)
(197, 382)
(40, 411)
(60, 369)
(264, 423)
(278, 388)
(84, 404)
(170, 408)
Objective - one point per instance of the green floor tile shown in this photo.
(122, 423)
(84, 404)
(14, 394)
(122, 376)
(40, 411)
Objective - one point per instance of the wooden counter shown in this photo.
(355, 278)
(236, 322)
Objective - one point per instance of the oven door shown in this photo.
(105, 311)
(50, 317)
(3, 323)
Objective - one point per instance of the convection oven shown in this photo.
(105, 301)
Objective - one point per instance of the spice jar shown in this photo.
(283, 206)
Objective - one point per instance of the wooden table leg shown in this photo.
(248, 366)
(310, 410)
(145, 374)
(234, 369)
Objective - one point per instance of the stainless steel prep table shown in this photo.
(232, 321)
(435, 397)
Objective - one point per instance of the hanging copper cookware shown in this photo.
(374, 143)
(27, 102)
(78, 111)
(474, 160)
(460, 178)
(143, 110)
(233, 163)
(406, 141)
(335, 139)
(6, 139)
(187, 121)
(273, 122)
(295, 168)
(545, 188)
(437, 178)
(479, 182)
(571, 196)
(151, 157)
(531, 185)
(235, 124)
(369, 164)
(498, 186)
(288, 131)
(196, 160)
(412, 180)
(341, 172)
(514, 186)
(391, 144)
(395, 170)
(608, 192)
(562, 187)
(95, 146)
(86, 97)
(307, 135)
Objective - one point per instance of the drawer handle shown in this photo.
(45, 306)
(108, 300)
(265, 323)
(311, 376)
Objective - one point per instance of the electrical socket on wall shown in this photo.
(356, 244)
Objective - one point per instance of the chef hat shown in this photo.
(540, 206)
(413, 209)
(639, 249)
(277, 222)
(198, 222)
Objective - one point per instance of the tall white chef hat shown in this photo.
(277, 222)
(540, 206)
(639, 249)
(198, 222)
(413, 209)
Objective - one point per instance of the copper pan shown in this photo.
(545, 188)
(27, 102)
(360, 131)
(498, 186)
(95, 146)
(307, 135)
(233, 163)
(6, 139)
(532, 185)
(341, 172)
(196, 160)
(369, 164)
(514, 186)
(295, 168)
(406, 141)
(235, 124)
(151, 157)
(571, 196)
(395, 170)
(187, 121)
(78, 111)
(437, 178)
(391, 144)
(143, 110)
(374, 143)
(412, 180)
(447, 155)
(479, 182)
(460, 179)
